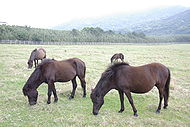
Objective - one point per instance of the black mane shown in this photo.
(107, 75)
(117, 65)
(110, 71)
(45, 61)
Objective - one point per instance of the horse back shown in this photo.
(59, 71)
(155, 71)
(40, 53)
(64, 70)
(79, 65)
(159, 72)
(141, 79)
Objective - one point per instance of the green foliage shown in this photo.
(87, 34)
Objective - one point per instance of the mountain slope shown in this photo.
(177, 24)
(162, 20)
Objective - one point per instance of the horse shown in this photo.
(36, 54)
(126, 79)
(51, 71)
(117, 56)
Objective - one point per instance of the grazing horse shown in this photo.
(127, 79)
(51, 71)
(117, 56)
(36, 54)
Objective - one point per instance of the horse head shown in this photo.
(30, 64)
(97, 101)
(32, 95)
(30, 87)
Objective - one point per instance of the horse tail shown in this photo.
(80, 68)
(167, 85)
(44, 52)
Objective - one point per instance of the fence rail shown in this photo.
(78, 43)
(53, 43)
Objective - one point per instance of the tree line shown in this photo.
(87, 34)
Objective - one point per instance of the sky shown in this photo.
(49, 13)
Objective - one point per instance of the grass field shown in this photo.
(15, 111)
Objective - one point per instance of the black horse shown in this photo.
(117, 56)
(50, 71)
(127, 79)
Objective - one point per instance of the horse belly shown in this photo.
(65, 76)
(142, 88)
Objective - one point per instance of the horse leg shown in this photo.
(165, 99)
(83, 84)
(121, 95)
(35, 63)
(49, 92)
(166, 92)
(128, 94)
(54, 93)
(74, 88)
(161, 97)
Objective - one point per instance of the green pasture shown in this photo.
(15, 111)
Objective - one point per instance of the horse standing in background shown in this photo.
(36, 54)
(117, 56)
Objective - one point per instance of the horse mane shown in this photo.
(107, 75)
(110, 71)
(45, 61)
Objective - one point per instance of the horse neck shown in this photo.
(102, 89)
(32, 56)
(35, 79)
(33, 85)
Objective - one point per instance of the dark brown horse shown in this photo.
(51, 71)
(36, 54)
(127, 79)
(117, 56)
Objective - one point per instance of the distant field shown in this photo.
(15, 111)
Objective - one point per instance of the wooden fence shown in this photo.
(77, 43)
(55, 43)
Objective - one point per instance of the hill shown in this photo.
(177, 24)
(129, 21)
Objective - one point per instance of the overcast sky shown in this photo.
(48, 13)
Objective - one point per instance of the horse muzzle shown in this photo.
(95, 113)
(32, 103)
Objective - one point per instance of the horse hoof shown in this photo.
(157, 111)
(120, 111)
(71, 97)
(48, 102)
(84, 96)
(165, 107)
(56, 100)
(135, 115)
